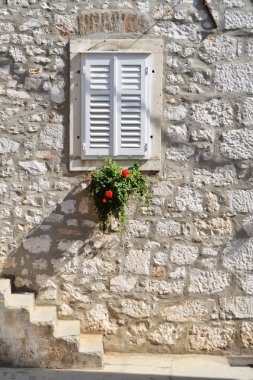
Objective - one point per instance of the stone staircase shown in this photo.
(33, 336)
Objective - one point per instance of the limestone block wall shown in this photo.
(180, 278)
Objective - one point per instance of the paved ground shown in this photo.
(142, 367)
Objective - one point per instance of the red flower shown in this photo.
(104, 200)
(109, 193)
(125, 173)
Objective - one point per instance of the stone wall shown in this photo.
(180, 278)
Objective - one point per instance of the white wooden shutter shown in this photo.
(97, 106)
(132, 106)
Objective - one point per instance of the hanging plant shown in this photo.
(111, 187)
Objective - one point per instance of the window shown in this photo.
(115, 102)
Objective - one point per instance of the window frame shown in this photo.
(81, 47)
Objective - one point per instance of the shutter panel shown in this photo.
(132, 105)
(97, 92)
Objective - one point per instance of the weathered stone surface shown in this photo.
(246, 281)
(238, 255)
(247, 334)
(212, 202)
(177, 133)
(234, 3)
(214, 227)
(183, 254)
(3, 188)
(189, 200)
(234, 77)
(39, 244)
(214, 338)
(68, 206)
(33, 167)
(216, 112)
(98, 319)
(122, 283)
(8, 146)
(238, 19)
(176, 113)
(206, 282)
(248, 225)
(238, 307)
(162, 12)
(240, 200)
(222, 176)
(168, 228)
(31, 24)
(202, 135)
(246, 112)
(160, 258)
(192, 310)
(180, 153)
(216, 48)
(237, 144)
(138, 228)
(162, 189)
(138, 261)
(163, 287)
(166, 334)
(52, 136)
(178, 32)
(135, 309)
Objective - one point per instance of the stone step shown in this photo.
(91, 344)
(5, 288)
(20, 301)
(66, 328)
(43, 315)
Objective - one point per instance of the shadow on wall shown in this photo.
(57, 246)
(42, 374)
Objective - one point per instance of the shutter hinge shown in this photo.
(146, 70)
(84, 69)
(146, 147)
(83, 145)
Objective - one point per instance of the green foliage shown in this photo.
(111, 186)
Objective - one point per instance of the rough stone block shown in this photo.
(205, 282)
(211, 338)
(222, 176)
(180, 153)
(122, 283)
(166, 334)
(33, 167)
(247, 334)
(238, 19)
(176, 113)
(214, 227)
(178, 32)
(39, 244)
(168, 228)
(163, 287)
(234, 77)
(183, 254)
(188, 199)
(216, 112)
(138, 261)
(135, 309)
(240, 201)
(237, 144)
(238, 255)
(239, 307)
(8, 146)
(216, 48)
(191, 310)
